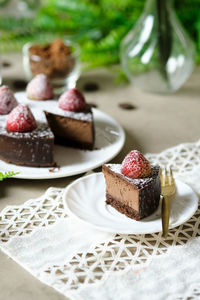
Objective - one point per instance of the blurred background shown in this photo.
(98, 26)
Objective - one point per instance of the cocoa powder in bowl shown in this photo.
(55, 60)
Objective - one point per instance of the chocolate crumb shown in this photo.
(6, 64)
(91, 87)
(54, 169)
(19, 84)
(92, 104)
(127, 106)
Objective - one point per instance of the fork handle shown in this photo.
(165, 216)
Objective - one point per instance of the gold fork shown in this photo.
(168, 190)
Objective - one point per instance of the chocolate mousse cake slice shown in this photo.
(75, 129)
(137, 198)
(71, 120)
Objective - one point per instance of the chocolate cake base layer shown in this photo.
(74, 144)
(124, 209)
(28, 164)
(27, 152)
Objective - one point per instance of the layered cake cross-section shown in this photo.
(137, 198)
(73, 129)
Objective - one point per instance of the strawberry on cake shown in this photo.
(39, 88)
(72, 100)
(7, 100)
(133, 187)
(21, 119)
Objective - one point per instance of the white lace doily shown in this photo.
(83, 263)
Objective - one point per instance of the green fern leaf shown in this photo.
(7, 174)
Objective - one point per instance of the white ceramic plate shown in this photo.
(109, 140)
(85, 199)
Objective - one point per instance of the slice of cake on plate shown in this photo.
(25, 138)
(133, 187)
(71, 120)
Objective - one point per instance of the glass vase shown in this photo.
(157, 55)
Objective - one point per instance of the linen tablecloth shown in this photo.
(83, 263)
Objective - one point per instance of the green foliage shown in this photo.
(97, 25)
(7, 175)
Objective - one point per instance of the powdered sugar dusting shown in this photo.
(139, 182)
(7, 100)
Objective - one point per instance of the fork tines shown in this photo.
(166, 176)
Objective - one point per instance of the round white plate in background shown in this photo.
(109, 140)
(85, 199)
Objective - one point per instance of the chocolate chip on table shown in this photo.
(92, 104)
(127, 106)
(19, 84)
(6, 64)
(91, 87)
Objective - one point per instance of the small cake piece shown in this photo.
(72, 121)
(39, 88)
(133, 187)
(7, 100)
(25, 138)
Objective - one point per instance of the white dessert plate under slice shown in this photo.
(109, 140)
(85, 199)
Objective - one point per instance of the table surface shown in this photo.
(157, 122)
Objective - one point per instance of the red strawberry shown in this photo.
(39, 88)
(21, 119)
(7, 100)
(135, 165)
(72, 100)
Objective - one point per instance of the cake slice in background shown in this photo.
(72, 120)
(25, 138)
